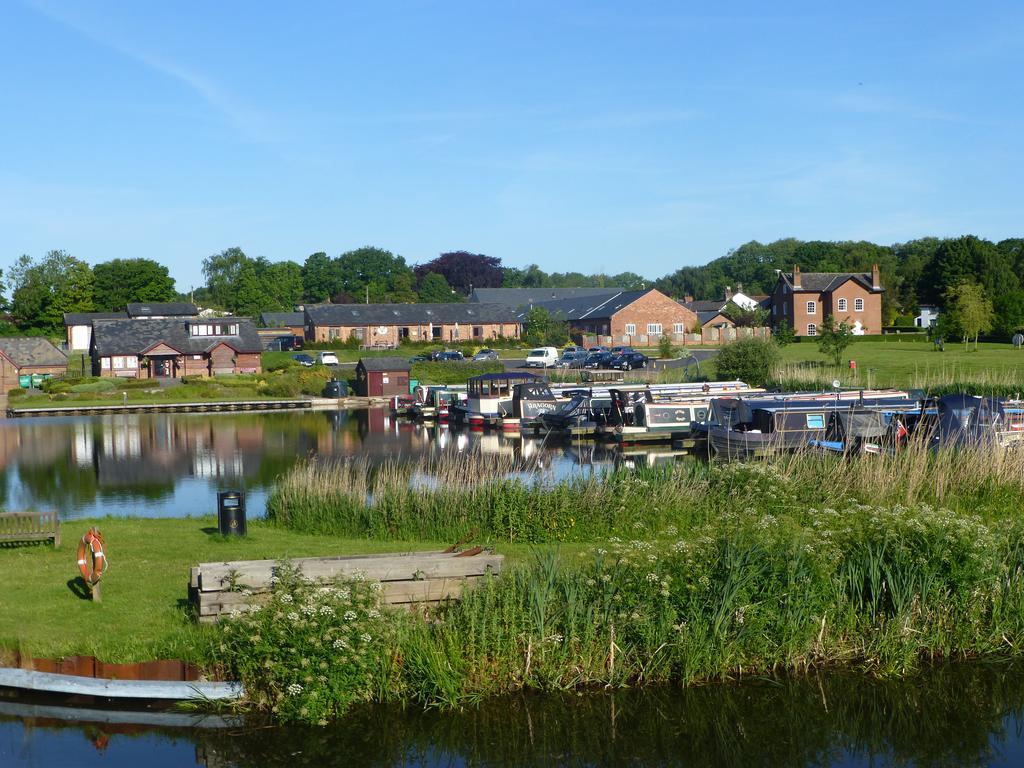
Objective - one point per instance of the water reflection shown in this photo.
(172, 464)
(957, 715)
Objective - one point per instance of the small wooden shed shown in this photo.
(382, 376)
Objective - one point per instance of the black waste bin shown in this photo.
(231, 513)
(336, 388)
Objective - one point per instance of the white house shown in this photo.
(928, 317)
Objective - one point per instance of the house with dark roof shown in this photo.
(162, 310)
(170, 348)
(525, 297)
(30, 356)
(625, 317)
(388, 325)
(294, 320)
(804, 300)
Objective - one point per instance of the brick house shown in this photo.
(174, 347)
(28, 356)
(625, 317)
(293, 321)
(388, 325)
(804, 300)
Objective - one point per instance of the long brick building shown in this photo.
(388, 325)
(804, 300)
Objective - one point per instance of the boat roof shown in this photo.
(505, 376)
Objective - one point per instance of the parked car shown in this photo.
(335, 388)
(598, 348)
(541, 357)
(327, 358)
(420, 359)
(305, 360)
(572, 348)
(598, 359)
(484, 355)
(620, 350)
(449, 356)
(572, 360)
(627, 361)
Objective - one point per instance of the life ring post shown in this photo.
(92, 562)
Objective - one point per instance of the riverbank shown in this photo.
(682, 575)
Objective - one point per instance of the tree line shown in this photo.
(953, 272)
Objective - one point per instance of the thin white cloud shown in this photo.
(249, 122)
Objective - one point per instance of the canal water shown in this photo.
(171, 465)
(967, 714)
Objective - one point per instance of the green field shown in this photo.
(142, 615)
(901, 363)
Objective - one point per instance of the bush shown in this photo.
(282, 387)
(311, 381)
(283, 365)
(99, 385)
(665, 348)
(14, 394)
(749, 360)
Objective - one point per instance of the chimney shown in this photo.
(739, 287)
(728, 293)
(796, 276)
(876, 278)
(687, 299)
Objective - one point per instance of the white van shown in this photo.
(542, 357)
(327, 358)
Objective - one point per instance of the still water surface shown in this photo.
(955, 715)
(172, 465)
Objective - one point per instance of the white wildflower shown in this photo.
(286, 598)
(294, 689)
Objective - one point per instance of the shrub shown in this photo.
(665, 348)
(14, 394)
(282, 365)
(454, 372)
(282, 387)
(311, 381)
(312, 650)
(749, 360)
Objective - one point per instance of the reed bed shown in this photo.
(934, 379)
(448, 497)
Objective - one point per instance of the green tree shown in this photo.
(121, 281)
(968, 310)
(221, 271)
(434, 289)
(282, 282)
(248, 297)
(320, 279)
(370, 271)
(833, 339)
(540, 327)
(749, 360)
(1009, 314)
(43, 291)
(401, 289)
(783, 334)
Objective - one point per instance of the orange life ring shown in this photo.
(92, 560)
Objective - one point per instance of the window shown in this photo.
(478, 331)
(858, 305)
(631, 329)
(131, 362)
(815, 420)
(775, 309)
(654, 329)
(678, 328)
(812, 307)
(785, 309)
(841, 305)
(812, 329)
(118, 363)
(105, 363)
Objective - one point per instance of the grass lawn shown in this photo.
(912, 363)
(143, 615)
(182, 394)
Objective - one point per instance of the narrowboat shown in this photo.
(750, 428)
(968, 421)
(489, 398)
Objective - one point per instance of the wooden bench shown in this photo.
(30, 526)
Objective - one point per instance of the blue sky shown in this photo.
(579, 136)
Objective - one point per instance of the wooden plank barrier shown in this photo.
(409, 578)
(30, 526)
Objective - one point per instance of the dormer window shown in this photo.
(213, 329)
